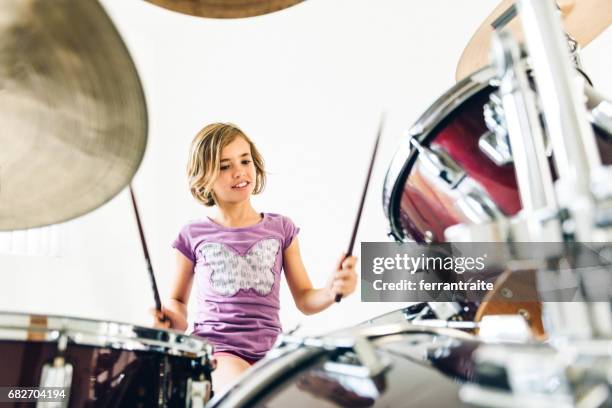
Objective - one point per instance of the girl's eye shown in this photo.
(245, 162)
(225, 167)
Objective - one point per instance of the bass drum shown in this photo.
(449, 171)
(104, 364)
(423, 367)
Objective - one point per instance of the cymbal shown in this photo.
(583, 20)
(73, 113)
(225, 8)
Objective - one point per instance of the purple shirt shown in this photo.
(237, 281)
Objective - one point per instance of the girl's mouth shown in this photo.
(241, 185)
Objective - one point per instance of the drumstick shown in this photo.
(349, 252)
(146, 254)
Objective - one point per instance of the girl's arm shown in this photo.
(175, 309)
(307, 299)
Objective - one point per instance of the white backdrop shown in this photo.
(308, 85)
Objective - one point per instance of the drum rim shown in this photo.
(32, 327)
(443, 106)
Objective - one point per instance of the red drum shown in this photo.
(450, 170)
(400, 365)
(104, 364)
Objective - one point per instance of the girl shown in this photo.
(236, 258)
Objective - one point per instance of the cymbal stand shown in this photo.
(582, 188)
(526, 140)
(581, 185)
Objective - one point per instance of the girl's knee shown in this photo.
(228, 369)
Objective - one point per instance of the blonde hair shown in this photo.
(205, 160)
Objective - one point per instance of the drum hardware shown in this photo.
(504, 18)
(485, 232)
(366, 364)
(495, 145)
(526, 139)
(495, 142)
(532, 373)
(373, 332)
(575, 152)
(491, 328)
(583, 276)
(424, 312)
(601, 113)
(450, 324)
(58, 373)
(481, 396)
(515, 293)
(416, 312)
(439, 164)
(198, 392)
(511, 13)
(574, 50)
(576, 320)
(507, 328)
(433, 310)
(575, 374)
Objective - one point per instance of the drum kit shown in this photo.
(518, 151)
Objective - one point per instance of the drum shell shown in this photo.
(113, 364)
(101, 376)
(418, 206)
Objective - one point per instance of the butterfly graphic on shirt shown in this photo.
(231, 272)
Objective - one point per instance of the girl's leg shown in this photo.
(229, 367)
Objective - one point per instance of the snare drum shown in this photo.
(104, 364)
(451, 168)
(421, 367)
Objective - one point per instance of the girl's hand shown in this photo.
(162, 319)
(344, 279)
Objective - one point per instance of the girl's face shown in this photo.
(237, 174)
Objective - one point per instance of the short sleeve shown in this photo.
(290, 231)
(182, 243)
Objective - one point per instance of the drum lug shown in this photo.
(445, 310)
(57, 374)
(371, 363)
(496, 148)
(602, 116)
(439, 164)
(392, 235)
(198, 393)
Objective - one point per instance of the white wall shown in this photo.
(308, 85)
